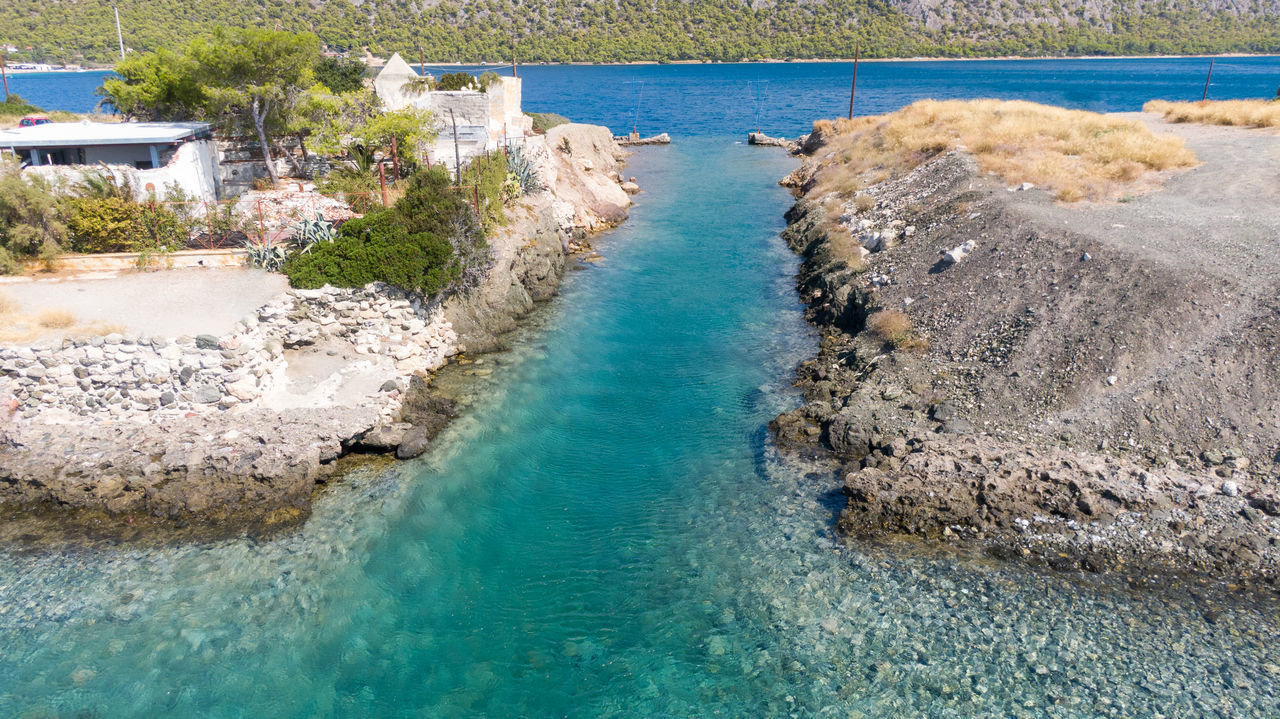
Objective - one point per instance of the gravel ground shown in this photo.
(169, 303)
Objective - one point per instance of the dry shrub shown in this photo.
(1073, 153)
(845, 247)
(1243, 113)
(895, 328)
(7, 305)
(864, 202)
(55, 319)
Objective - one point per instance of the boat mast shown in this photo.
(119, 35)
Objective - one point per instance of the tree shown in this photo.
(243, 79)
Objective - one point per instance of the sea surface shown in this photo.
(608, 532)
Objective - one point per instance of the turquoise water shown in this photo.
(607, 533)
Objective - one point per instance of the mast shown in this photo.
(119, 35)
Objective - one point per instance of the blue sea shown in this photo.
(785, 98)
(607, 532)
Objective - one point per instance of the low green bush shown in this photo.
(30, 221)
(377, 248)
(15, 107)
(543, 121)
(428, 242)
(115, 224)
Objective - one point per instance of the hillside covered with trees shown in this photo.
(71, 31)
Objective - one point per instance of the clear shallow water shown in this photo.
(608, 534)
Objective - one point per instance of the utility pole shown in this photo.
(1205, 96)
(5, 76)
(119, 34)
(857, 51)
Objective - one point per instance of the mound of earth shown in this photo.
(1101, 384)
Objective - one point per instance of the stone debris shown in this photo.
(122, 375)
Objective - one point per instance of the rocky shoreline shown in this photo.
(1027, 401)
(236, 428)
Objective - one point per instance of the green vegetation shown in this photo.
(428, 242)
(543, 121)
(14, 107)
(246, 79)
(662, 30)
(30, 222)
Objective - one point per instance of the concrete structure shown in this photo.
(153, 156)
(485, 120)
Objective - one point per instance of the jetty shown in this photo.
(759, 138)
(634, 139)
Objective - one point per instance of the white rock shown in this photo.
(1231, 489)
(957, 254)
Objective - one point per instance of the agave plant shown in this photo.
(308, 233)
(523, 171)
(267, 255)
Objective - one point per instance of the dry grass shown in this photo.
(895, 328)
(17, 327)
(1243, 113)
(1075, 154)
(845, 247)
(55, 319)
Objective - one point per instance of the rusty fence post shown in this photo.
(382, 180)
(262, 227)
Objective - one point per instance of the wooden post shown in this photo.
(457, 155)
(382, 180)
(857, 51)
(262, 227)
(395, 158)
(5, 76)
(1205, 96)
(514, 71)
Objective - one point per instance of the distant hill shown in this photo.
(662, 30)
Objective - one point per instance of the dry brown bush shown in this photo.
(56, 319)
(895, 328)
(845, 247)
(1243, 113)
(1075, 154)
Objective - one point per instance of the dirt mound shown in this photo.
(1143, 332)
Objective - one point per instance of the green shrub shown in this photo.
(30, 222)
(114, 224)
(466, 81)
(377, 248)
(428, 242)
(14, 107)
(489, 173)
(359, 189)
(543, 121)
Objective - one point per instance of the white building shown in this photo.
(485, 120)
(154, 156)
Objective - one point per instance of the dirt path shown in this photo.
(1222, 217)
(170, 303)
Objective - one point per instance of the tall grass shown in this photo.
(1077, 155)
(1244, 113)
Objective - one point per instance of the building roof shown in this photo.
(87, 134)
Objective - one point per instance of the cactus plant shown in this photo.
(307, 233)
(266, 255)
(522, 170)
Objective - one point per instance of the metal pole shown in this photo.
(5, 76)
(382, 180)
(119, 34)
(1205, 96)
(857, 51)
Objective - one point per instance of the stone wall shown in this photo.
(121, 374)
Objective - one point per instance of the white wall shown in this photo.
(192, 168)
